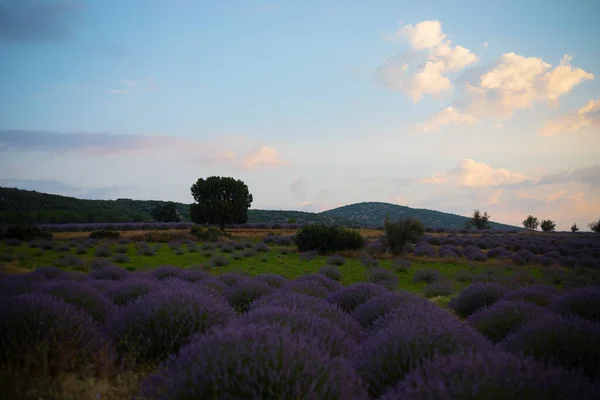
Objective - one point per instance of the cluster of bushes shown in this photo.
(104, 234)
(325, 239)
(252, 335)
(24, 232)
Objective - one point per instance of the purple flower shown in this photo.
(477, 296)
(254, 362)
(109, 272)
(383, 277)
(376, 307)
(130, 289)
(408, 341)
(82, 296)
(503, 318)
(245, 292)
(571, 342)
(167, 271)
(492, 375)
(350, 297)
(581, 302)
(320, 279)
(42, 330)
(273, 280)
(156, 325)
(541, 295)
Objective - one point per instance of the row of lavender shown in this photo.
(269, 337)
(143, 226)
(574, 250)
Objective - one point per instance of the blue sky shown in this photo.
(448, 105)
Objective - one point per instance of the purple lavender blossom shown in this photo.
(352, 296)
(581, 302)
(477, 296)
(253, 363)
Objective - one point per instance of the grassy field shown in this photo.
(280, 260)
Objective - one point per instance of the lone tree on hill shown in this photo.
(548, 225)
(220, 201)
(479, 221)
(531, 223)
(165, 212)
(595, 226)
(574, 228)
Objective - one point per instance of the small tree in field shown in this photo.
(548, 225)
(595, 226)
(165, 212)
(479, 221)
(399, 233)
(220, 201)
(574, 228)
(531, 223)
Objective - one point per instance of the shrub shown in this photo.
(439, 287)
(209, 234)
(218, 261)
(245, 292)
(540, 295)
(156, 325)
(401, 265)
(212, 284)
(383, 277)
(350, 297)
(84, 297)
(121, 249)
(477, 296)
(104, 234)
(332, 338)
(503, 318)
(568, 261)
(336, 260)
(285, 241)
(376, 307)
(311, 287)
(406, 343)
(166, 271)
(71, 260)
(130, 289)
(254, 362)
(232, 279)
(307, 255)
(327, 283)
(332, 272)
(261, 248)
(98, 263)
(40, 331)
(328, 238)
(46, 272)
(462, 275)
(424, 249)
(426, 275)
(121, 258)
(471, 376)
(24, 232)
(194, 275)
(109, 272)
(368, 261)
(581, 302)
(103, 251)
(273, 280)
(399, 233)
(568, 341)
(317, 306)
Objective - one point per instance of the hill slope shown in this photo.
(374, 213)
(34, 207)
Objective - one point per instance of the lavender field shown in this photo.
(462, 316)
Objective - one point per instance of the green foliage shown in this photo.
(104, 234)
(165, 212)
(220, 201)
(208, 234)
(399, 233)
(574, 228)
(548, 225)
(479, 221)
(292, 220)
(24, 232)
(328, 238)
(531, 223)
(595, 226)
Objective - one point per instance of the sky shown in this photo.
(451, 105)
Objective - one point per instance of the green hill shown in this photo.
(374, 213)
(18, 205)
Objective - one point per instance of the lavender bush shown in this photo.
(581, 302)
(383, 277)
(352, 296)
(243, 293)
(128, 290)
(254, 362)
(541, 295)
(273, 280)
(82, 296)
(426, 275)
(484, 375)
(376, 307)
(331, 271)
(156, 325)
(477, 296)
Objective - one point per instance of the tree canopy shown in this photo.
(548, 225)
(479, 221)
(531, 223)
(165, 212)
(220, 201)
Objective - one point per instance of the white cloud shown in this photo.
(474, 174)
(298, 188)
(588, 115)
(262, 157)
(486, 44)
(515, 82)
(448, 116)
(430, 75)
